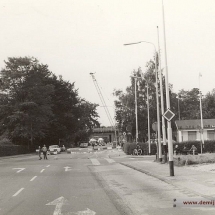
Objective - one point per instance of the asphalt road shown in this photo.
(83, 183)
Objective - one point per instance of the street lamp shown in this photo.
(202, 126)
(148, 119)
(162, 103)
(135, 89)
(158, 112)
(179, 115)
(169, 127)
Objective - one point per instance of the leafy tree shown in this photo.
(36, 107)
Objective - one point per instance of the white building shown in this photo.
(189, 130)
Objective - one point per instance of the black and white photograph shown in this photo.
(107, 107)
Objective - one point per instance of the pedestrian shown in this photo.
(40, 151)
(44, 149)
(176, 150)
(193, 149)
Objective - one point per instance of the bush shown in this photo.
(182, 160)
(5, 141)
(7, 150)
(209, 146)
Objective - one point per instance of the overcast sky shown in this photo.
(77, 37)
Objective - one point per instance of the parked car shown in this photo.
(84, 144)
(54, 149)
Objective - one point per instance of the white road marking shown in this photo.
(42, 170)
(48, 166)
(67, 168)
(20, 169)
(33, 178)
(95, 161)
(59, 203)
(18, 192)
(110, 160)
(86, 212)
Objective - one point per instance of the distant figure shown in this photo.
(63, 148)
(193, 149)
(44, 149)
(40, 153)
(176, 149)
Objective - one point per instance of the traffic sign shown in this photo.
(168, 115)
(128, 128)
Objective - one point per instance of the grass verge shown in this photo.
(181, 160)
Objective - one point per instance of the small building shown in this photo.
(109, 134)
(190, 130)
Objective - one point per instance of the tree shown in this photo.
(26, 109)
(36, 107)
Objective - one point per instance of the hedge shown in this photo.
(209, 147)
(13, 150)
(129, 147)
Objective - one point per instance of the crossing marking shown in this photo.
(18, 192)
(110, 160)
(95, 161)
(33, 178)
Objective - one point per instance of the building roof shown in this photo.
(195, 124)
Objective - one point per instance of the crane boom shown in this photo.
(102, 99)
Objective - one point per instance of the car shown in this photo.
(53, 149)
(83, 144)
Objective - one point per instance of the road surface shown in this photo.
(84, 183)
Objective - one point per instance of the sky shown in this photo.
(78, 37)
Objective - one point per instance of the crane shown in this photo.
(103, 101)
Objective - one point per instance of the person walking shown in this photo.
(44, 149)
(40, 151)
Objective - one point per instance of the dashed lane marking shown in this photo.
(33, 178)
(18, 192)
(42, 170)
(48, 166)
(110, 160)
(95, 161)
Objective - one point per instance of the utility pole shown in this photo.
(162, 102)
(169, 127)
(149, 139)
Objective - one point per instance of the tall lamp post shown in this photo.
(135, 89)
(202, 126)
(149, 140)
(179, 115)
(162, 102)
(169, 127)
(158, 112)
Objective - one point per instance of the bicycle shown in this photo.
(138, 151)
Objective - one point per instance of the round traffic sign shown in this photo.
(128, 128)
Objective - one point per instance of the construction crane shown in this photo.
(103, 102)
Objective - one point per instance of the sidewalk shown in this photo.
(192, 180)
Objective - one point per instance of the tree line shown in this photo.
(185, 104)
(37, 107)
